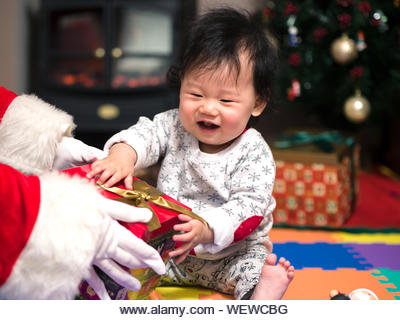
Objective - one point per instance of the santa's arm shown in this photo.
(53, 229)
(35, 136)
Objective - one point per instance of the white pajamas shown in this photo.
(231, 190)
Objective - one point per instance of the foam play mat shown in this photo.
(324, 260)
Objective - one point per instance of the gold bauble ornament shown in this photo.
(357, 108)
(344, 49)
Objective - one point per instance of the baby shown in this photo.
(213, 161)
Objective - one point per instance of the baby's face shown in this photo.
(215, 105)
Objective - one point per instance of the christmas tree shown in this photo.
(340, 59)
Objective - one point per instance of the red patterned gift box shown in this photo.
(313, 187)
(157, 233)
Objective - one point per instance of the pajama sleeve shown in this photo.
(250, 202)
(148, 137)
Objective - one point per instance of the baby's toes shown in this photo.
(286, 264)
(290, 274)
(271, 259)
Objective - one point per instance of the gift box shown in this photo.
(157, 232)
(316, 178)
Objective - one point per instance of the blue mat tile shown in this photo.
(322, 255)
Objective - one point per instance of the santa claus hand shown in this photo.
(123, 212)
(121, 246)
(72, 152)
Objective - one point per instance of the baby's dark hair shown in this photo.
(218, 37)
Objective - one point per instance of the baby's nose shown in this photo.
(209, 107)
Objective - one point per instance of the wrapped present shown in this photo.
(157, 232)
(316, 179)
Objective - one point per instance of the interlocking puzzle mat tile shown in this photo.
(390, 278)
(278, 235)
(379, 255)
(327, 256)
(187, 293)
(315, 284)
(388, 238)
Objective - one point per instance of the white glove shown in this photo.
(120, 245)
(72, 152)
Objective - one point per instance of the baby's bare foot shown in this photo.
(274, 279)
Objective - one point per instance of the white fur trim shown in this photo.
(64, 241)
(30, 132)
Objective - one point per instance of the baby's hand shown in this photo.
(118, 165)
(195, 232)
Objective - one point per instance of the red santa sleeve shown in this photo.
(19, 207)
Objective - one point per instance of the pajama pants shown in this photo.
(236, 275)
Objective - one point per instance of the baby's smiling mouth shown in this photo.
(207, 125)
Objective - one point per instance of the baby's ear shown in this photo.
(259, 107)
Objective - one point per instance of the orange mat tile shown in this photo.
(303, 236)
(315, 284)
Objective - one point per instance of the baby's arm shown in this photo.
(194, 232)
(139, 146)
(118, 165)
